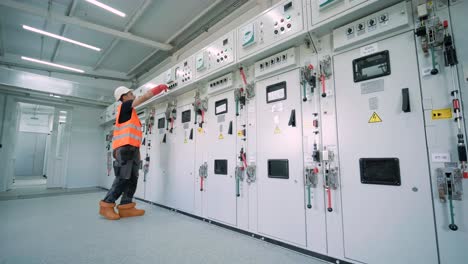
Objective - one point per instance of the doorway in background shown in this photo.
(32, 145)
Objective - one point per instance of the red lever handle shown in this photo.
(244, 160)
(201, 184)
(330, 209)
(243, 75)
(322, 80)
(456, 105)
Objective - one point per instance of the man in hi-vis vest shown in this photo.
(126, 150)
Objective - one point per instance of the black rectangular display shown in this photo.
(276, 92)
(221, 107)
(278, 168)
(225, 42)
(161, 122)
(371, 66)
(384, 171)
(186, 116)
(220, 167)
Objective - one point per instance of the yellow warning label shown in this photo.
(375, 118)
(445, 113)
(200, 130)
(277, 130)
(221, 136)
(240, 133)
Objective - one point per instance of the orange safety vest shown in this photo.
(127, 133)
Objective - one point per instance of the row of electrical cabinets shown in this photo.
(348, 152)
(293, 158)
(284, 24)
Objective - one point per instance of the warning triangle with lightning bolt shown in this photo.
(375, 118)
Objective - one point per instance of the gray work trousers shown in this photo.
(126, 165)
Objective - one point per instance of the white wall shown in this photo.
(85, 151)
(8, 141)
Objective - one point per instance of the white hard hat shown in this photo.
(120, 91)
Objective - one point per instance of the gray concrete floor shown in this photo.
(68, 229)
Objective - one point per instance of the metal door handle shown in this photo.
(230, 128)
(405, 107)
(292, 118)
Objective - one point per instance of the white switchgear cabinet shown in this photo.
(220, 186)
(281, 213)
(383, 160)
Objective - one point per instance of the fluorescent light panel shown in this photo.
(61, 38)
(52, 64)
(106, 7)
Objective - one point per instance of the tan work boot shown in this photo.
(129, 210)
(107, 210)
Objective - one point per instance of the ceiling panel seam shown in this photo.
(95, 76)
(64, 30)
(46, 23)
(129, 25)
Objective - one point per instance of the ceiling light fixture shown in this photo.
(60, 37)
(52, 64)
(106, 7)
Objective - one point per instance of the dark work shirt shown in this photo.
(125, 111)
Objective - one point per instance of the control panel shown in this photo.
(181, 74)
(220, 84)
(216, 56)
(282, 21)
(277, 62)
(108, 114)
(322, 10)
(384, 21)
(184, 70)
(170, 77)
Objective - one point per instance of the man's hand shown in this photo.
(152, 92)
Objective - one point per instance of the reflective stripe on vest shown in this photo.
(127, 133)
(127, 126)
